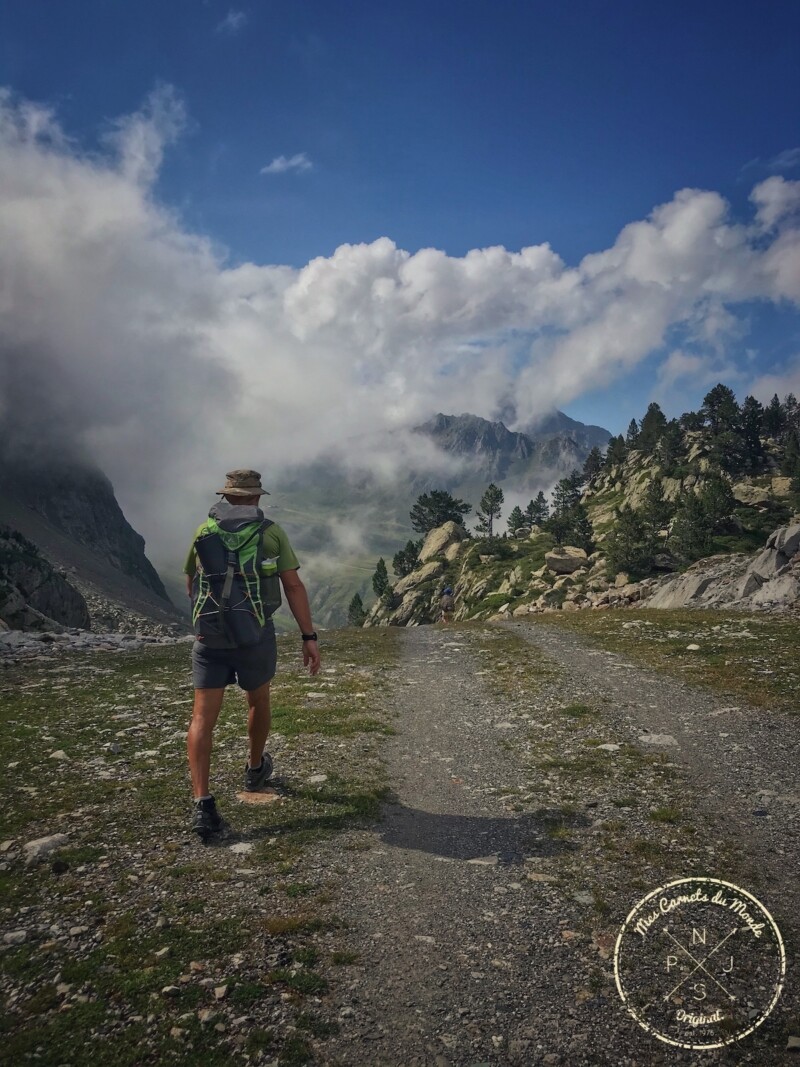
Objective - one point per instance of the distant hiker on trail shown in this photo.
(234, 570)
(447, 605)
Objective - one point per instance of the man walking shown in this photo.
(253, 666)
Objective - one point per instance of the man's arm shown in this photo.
(297, 598)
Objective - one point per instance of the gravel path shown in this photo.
(477, 944)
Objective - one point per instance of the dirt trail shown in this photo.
(474, 947)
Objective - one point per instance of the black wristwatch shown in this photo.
(310, 637)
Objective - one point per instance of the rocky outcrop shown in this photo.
(566, 559)
(771, 580)
(441, 541)
(34, 595)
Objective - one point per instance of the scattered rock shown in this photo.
(658, 739)
(15, 937)
(43, 846)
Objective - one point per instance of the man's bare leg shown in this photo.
(207, 705)
(259, 720)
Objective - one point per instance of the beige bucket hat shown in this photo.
(242, 483)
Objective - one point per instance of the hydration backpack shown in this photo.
(235, 589)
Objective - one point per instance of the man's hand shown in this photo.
(311, 656)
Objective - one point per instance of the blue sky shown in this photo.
(441, 124)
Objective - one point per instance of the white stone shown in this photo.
(316, 778)
(43, 846)
(241, 848)
(665, 740)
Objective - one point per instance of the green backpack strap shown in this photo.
(232, 558)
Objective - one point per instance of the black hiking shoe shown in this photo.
(206, 820)
(256, 777)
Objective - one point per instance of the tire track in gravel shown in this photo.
(463, 959)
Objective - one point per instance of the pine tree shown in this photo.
(405, 560)
(380, 579)
(489, 509)
(691, 421)
(516, 519)
(436, 508)
(717, 501)
(537, 510)
(670, 448)
(774, 418)
(632, 436)
(655, 511)
(752, 451)
(616, 452)
(691, 536)
(593, 464)
(355, 611)
(567, 493)
(654, 424)
(721, 413)
(790, 463)
(626, 546)
(581, 533)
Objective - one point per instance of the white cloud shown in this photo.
(775, 200)
(787, 381)
(281, 164)
(142, 347)
(786, 160)
(233, 23)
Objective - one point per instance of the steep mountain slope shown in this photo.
(70, 513)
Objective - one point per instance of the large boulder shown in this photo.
(440, 539)
(745, 493)
(566, 559)
(417, 577)
(785, 540)
(779, 593)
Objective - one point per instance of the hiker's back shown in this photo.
(235, 588)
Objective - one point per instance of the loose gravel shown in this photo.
(540, 788)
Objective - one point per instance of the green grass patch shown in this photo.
(752, 658)
(144, 897)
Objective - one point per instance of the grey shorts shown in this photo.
(214, 668)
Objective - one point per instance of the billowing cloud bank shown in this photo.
(125, 335)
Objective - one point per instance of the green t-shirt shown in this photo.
(276, 546)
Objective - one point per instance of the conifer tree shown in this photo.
(670, 448)
(489, 509)
(720, 411)
(537, 510)
(405, 560)
(653, 425)
(752, 451)
(380, 579)
(516, 519)
(593, 463)
(774, 418)
(655, 511)
(616, 452)
(691, 536)
(626, 546)
(356, 614)
(632, 436)
(436, 508)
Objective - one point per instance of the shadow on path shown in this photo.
(468, 837)
(511, 838)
